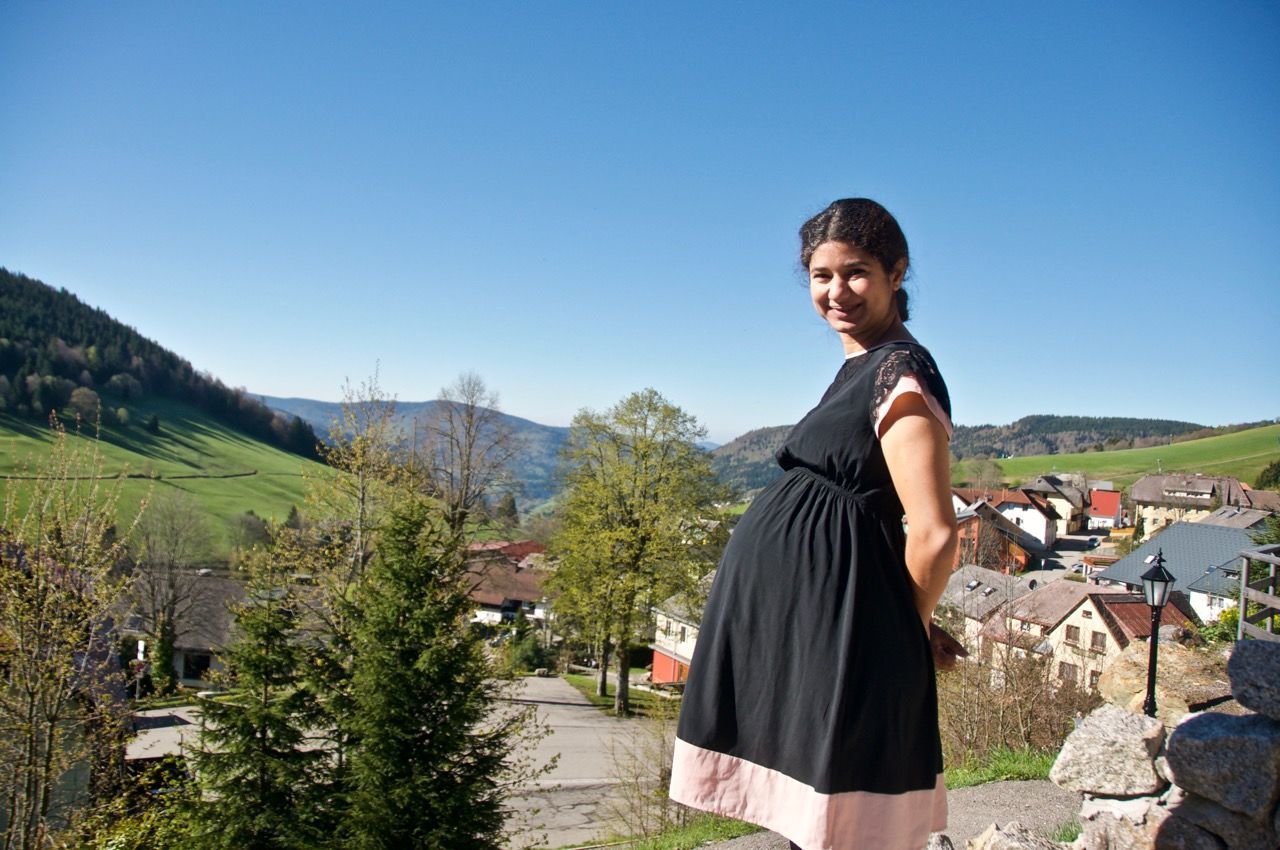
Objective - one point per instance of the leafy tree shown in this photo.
(59, 593)
(468, 448)
(638, 521)
(432, 756)
(1269, 477)
(257, 768)
(172, 538)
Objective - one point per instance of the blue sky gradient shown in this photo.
(578, 200)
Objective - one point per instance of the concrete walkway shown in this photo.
(570, 804)
(1038, 805)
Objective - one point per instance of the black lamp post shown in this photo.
(1157, 583)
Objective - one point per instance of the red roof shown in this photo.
(1130, 615)
(514, 549)
(1104, 503)
(499, 581)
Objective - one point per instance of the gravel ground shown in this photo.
(1038, 805)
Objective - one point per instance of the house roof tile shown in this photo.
(1190, 549)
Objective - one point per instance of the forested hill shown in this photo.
(747, 462)
(1046, 435)
(59, 354)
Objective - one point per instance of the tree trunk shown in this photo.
(622, 697)
(602, 682)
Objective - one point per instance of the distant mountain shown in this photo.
(1049, 435)
(535, 464)
(747, 463)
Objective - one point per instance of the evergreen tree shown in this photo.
(253, 760)
(429, 766)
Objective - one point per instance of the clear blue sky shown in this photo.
(578, 200)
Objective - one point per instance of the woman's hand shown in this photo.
(946, 649)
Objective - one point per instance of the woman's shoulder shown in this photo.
(908, 357)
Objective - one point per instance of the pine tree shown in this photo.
(253, 760)
(430, 763)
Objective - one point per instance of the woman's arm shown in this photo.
(915, 449)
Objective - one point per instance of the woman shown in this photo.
(811, 707)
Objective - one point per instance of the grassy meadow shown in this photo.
(226, 472)
(1241, 455)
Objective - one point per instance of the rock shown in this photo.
(1111, 753)
(1238, 831)
(1234, 761)
(1178, 834)
(939, 841)
(1184, 677)
(1013, 837)
(1121, 824)
(1254, 670)
(1162, 769)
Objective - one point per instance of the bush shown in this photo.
(1223, 629)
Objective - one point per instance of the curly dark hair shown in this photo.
(866, 224)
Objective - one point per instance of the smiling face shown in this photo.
(855, 294)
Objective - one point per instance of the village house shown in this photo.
(1026, 509)
(1249, 519)
(1075, 628)
(202, 627)
(1203, 558)
(974, 594)
(1105, 510)
(1161, 500)
(507, 578)
(675, 634)
(1067, 493)
(990, 540)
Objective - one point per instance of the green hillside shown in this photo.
(1241, 455)
(226, 471)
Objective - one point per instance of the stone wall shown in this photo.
(1213, 783)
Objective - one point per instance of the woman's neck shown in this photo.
(854, 346)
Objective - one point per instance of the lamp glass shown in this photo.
(1157, 584)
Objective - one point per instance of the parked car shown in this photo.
(1091, 543)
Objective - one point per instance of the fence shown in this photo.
(1261, 591)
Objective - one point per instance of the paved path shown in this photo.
(1038, 805)
(569, 805)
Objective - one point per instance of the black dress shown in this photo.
(811, 706)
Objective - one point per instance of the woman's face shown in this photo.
(854, 293)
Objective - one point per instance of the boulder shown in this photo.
(1236, 830)
(1111, 753)
(1184, 677)
(1178, 834)
(1234, 761)
(1121, 824)
(1013, 837)
(1254, 670)
(939, 841)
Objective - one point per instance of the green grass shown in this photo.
(701, 830)
(1002, 765)
(1067, 832)
(643, 703)
(226, 472)
(1242, 455)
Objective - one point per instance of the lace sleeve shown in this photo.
(905, 371)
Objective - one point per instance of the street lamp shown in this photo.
(1157, 583)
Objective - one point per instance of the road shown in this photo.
(570, 804)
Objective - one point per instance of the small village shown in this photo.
(1050, 573)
